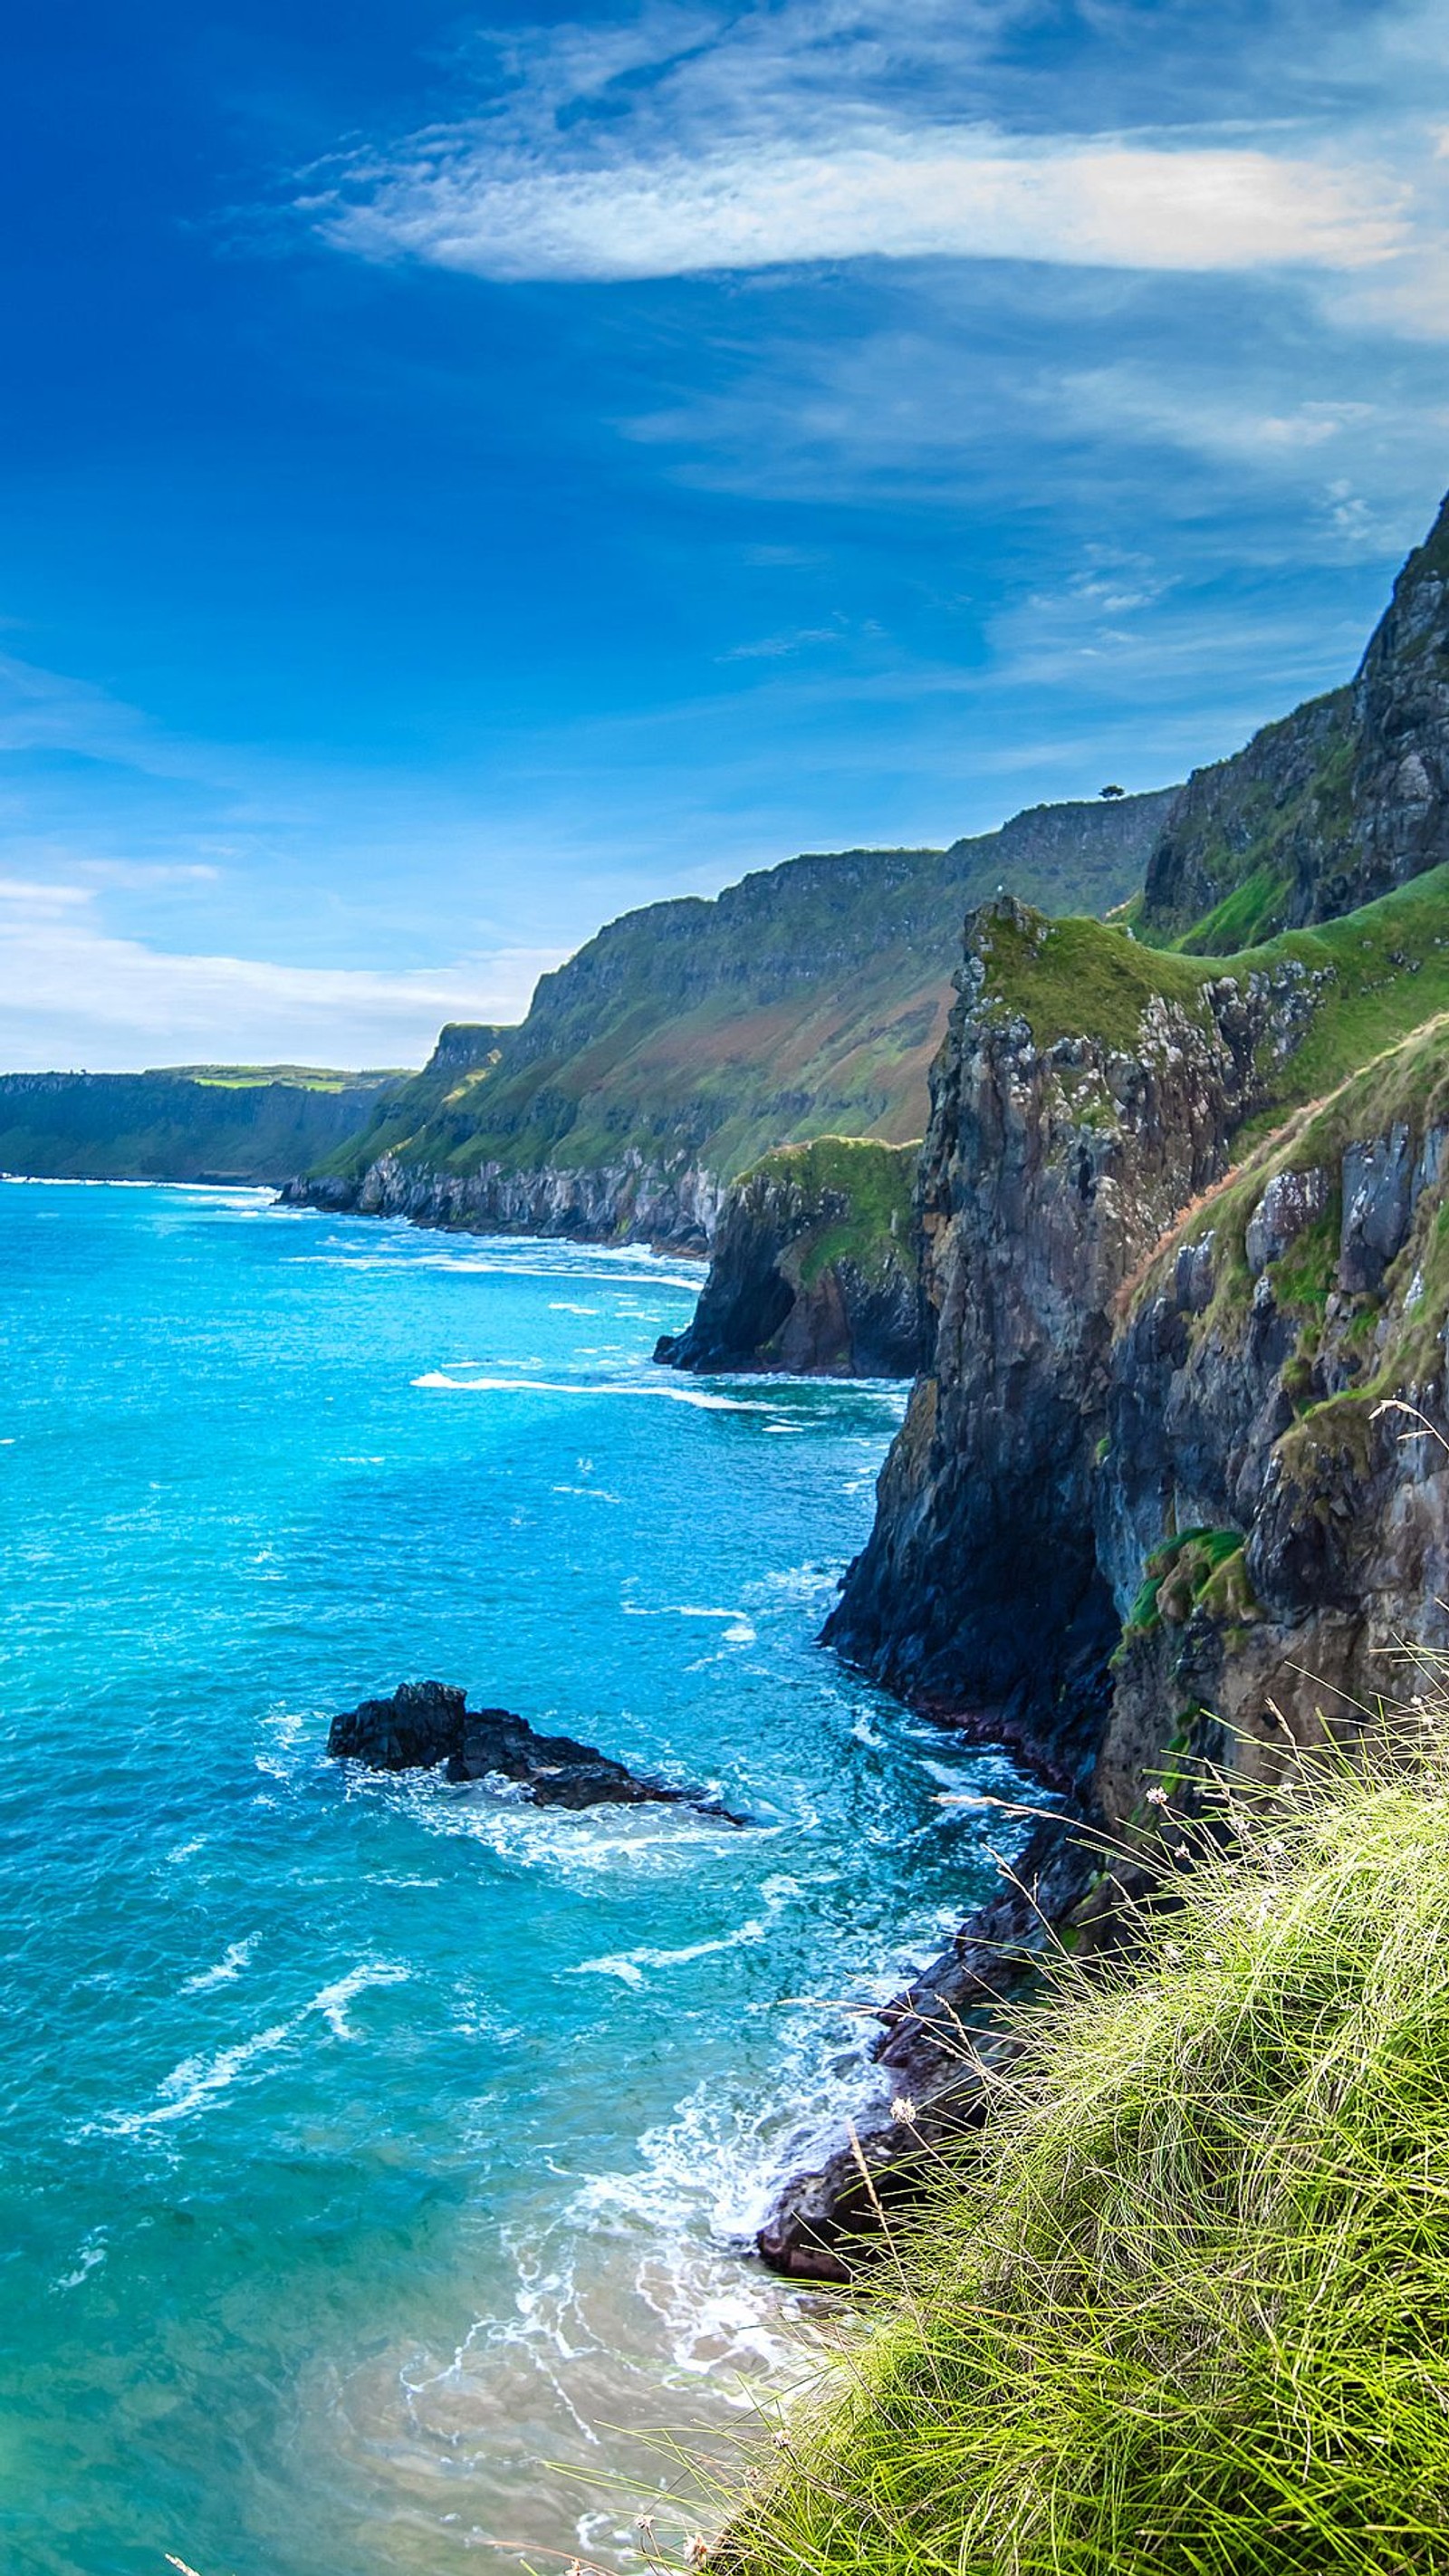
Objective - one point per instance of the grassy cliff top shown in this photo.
(298, 1077)
(1182, 2308)
(1375, 974)
(864, 1189)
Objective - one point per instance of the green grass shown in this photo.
(875, 1180)
(1376, 975)
(1182, 2309)
(296, 1077)
(1179, 1572)
(1252, 912)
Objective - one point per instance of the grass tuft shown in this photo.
(1182, 2308)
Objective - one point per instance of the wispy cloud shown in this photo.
(1107, 203)
(691, 140)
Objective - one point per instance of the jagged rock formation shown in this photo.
(425, 1723)
(813, 1268)
(253, 1124)
(1334, 806)
(690, 1038)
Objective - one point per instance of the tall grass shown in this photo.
(1182, 2309)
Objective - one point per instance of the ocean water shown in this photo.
(377, 2155)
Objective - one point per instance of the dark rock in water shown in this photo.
(429, 1722)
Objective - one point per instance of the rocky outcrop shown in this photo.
(813, 1268)
(427, 1723)
(936, 2050)
(1050, 1167)
(1331, 807)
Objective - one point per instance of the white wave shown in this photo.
(192, 2084)
(719, 2163)
(637, 1843)
(332, 2001)
(197, 2081)
(629, 1965)
(435, 1378)
(675, 1610)
(93, 2252)
(236, 1958)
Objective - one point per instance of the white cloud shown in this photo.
(693, 138)
(902, 194)
(75, 995)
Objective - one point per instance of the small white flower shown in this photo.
(696, 2550)
(1157, 1798)
(903, 2109)
(1172, 1953)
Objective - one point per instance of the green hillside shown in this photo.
(809, 999)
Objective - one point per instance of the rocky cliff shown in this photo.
(1174, 1484)
(1054, 1159)
(1272, 1505)
(813, 1268)
(689, 1039)
(1333, 806)
(1154, 1509)
(205, 1123)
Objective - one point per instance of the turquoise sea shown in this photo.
(376, 2154)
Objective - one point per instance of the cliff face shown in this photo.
(1051, 1165)
(688, 1039)
(218, 1123)
(1331, 808)
(1274, 1536)
(812, 1268)
(1183, 1238)
(631, 1199)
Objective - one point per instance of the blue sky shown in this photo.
(462, 474)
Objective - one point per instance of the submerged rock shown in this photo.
(425, 1723)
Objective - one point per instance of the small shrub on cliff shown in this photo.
(1183, 2308)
